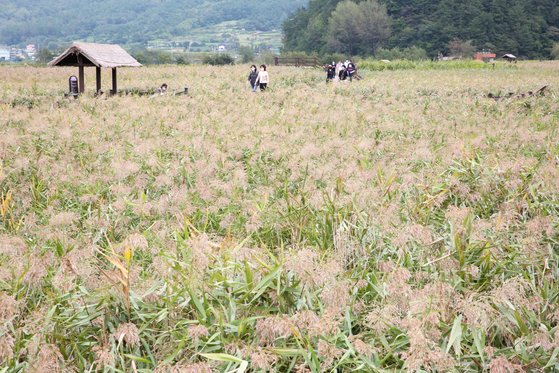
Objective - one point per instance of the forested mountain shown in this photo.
(131, 21)
(527, 28)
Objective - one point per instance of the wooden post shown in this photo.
(81, 76)
(98, 78)
(114, 91)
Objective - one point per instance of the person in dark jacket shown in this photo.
(351, 70)
(330, 73)
(252, 77)
(342, 75)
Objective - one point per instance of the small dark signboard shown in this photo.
(73, 86)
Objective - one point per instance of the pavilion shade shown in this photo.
(100, 55)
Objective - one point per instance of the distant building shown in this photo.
(4, 53)
(31, 51)
(485, 56)
(509, 57)
(16, 54)
(221, 48)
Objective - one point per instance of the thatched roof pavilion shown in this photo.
(98, 55)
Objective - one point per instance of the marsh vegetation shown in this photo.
(401, 222)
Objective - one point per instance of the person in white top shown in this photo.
(263, 78)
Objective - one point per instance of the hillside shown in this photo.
(129, 22)
(527, 28)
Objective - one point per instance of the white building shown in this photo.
(4, 53)
(31, 51)
(16, 54)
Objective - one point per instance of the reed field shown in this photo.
(404, 222)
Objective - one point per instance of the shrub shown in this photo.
(181, 60)
(413, 54)
(375, 65)
(267, 57)
(219, 59)
(246, 53)
(153, 57)
(555, 51)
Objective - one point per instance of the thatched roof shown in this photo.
(100, 55)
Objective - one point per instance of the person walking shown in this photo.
(263, 78)
(338, 68)
(330, 72)
(252, 77)
(342, 74)
(351, 70)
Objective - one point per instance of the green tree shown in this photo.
(374, 26)
(555, 51)
(293, 28)
(342, 28)
(44, 55)
(358, 28)
(314, 35)
(527, 28)
(461, 48)
(246, 53)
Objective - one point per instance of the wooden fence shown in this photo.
(296, 61)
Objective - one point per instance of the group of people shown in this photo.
(258, 79)
(341, 71)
